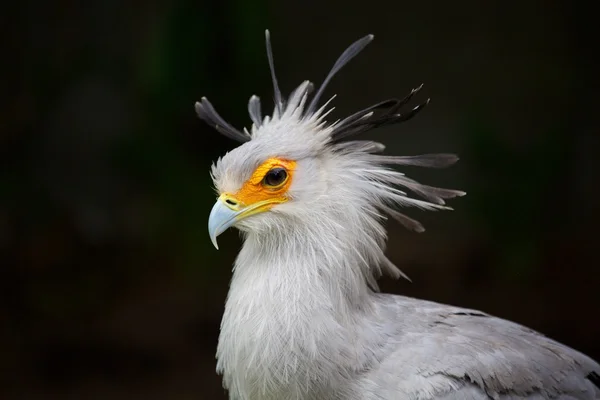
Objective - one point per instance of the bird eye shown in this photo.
(275, 177)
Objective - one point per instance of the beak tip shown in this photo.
(214, 242)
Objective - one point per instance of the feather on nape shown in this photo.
(385, 181)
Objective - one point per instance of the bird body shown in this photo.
(304, 319)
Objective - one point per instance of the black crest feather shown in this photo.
(207, 112)
(387, 112)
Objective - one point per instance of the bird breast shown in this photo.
(279, 340)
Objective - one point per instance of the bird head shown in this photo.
(295, 169)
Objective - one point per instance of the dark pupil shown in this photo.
(275, 176)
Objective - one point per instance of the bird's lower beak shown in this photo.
(227, 211)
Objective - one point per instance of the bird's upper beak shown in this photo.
(222, 216)
(227, 211)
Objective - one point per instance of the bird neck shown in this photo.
(310, 265)
(294, 306)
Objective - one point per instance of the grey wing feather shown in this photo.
(438, 351)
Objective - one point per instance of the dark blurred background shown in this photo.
(109, 285)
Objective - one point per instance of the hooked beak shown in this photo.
(227, 211)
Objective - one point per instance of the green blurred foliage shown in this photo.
(508, 187)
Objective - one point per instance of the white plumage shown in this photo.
(304, 319)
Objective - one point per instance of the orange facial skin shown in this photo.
(255, 191)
